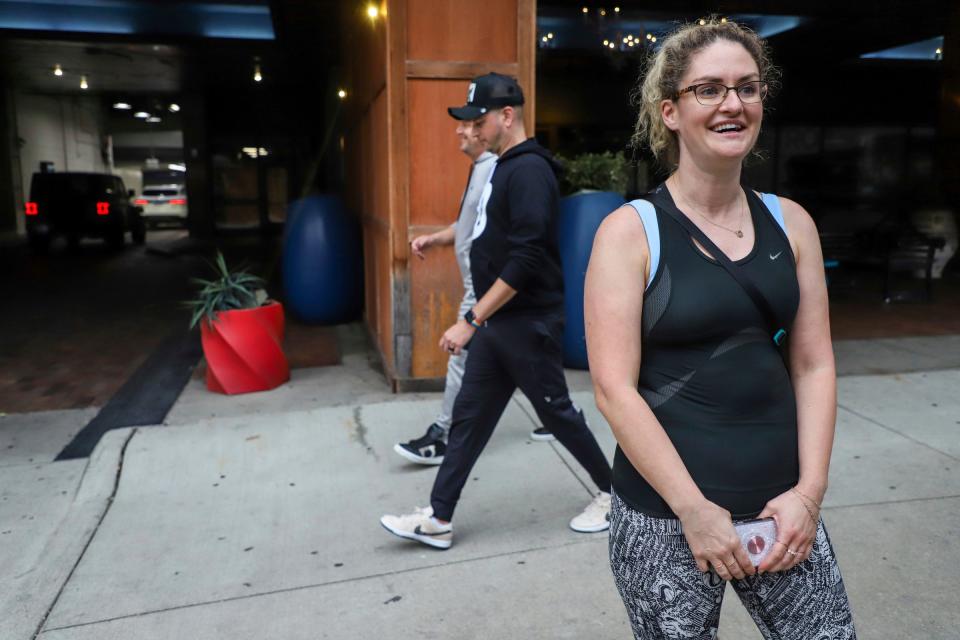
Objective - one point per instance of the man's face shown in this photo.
(469, 140)
(489, 129)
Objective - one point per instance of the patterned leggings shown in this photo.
(668, 597)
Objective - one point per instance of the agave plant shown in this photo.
(229, 290)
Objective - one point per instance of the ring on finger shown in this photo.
(792, 552)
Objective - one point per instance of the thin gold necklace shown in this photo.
(736, 232)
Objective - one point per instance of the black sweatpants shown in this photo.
(510, 351)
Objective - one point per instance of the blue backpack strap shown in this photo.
(773, 205)
(648, 216)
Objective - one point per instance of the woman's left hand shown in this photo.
(796, 531)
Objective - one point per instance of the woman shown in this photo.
(712, 427)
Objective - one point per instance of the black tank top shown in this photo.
(712, 375)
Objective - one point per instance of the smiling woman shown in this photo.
(715, 425)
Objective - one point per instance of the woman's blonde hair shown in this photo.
(664, 68)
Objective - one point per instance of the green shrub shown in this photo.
(605, 171)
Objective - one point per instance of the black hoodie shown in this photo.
(517, 227)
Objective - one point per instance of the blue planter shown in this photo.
(322, 261)
(580, 216)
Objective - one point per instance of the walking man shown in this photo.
(430, 447)
(515, 329)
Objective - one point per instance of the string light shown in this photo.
(653, 38)
(603, 12)
(257, 76)
(57, 70)
(606, 43)
(372, 11)
(616, 9)
(585, 10)
(341, 94)
(612, 46)
(550, 36)
(723, 20)
(702, 22)
(174, 107)
(83, 83)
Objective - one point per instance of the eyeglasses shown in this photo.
(710, 94)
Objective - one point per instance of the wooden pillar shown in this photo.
(405, 171)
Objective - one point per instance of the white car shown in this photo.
(165, 203)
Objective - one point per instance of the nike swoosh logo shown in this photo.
(421, 532)
(774, 257)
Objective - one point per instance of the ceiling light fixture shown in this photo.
(57, 70)
(372, 11)
(122, 106)
(141, 114)
(174, 107)
(153, 119)
(83, 83)
(257, 76)
(585, 10)
(341, 94)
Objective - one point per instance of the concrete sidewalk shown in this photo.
(256, 517)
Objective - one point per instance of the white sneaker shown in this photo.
(596, 517)
(420, 526)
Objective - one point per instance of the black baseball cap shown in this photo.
(491, 91)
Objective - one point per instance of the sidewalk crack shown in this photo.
(899, 433)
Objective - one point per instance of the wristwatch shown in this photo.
(472, 319)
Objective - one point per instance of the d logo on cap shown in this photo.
(470, 91)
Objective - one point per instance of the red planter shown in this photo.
(244, 350)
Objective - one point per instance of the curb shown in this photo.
(37, 591)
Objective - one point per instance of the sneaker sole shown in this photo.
(540, 438)
(430, 542)
(597, 529)
(412, 457)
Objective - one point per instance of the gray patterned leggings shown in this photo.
(668, 597)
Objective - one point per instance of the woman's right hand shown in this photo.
(714, 542)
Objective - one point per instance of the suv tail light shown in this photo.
(103, 208)
(179, 201)
(140, 202)
(30, 208)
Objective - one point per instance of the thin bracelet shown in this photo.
(813, 518)
(808, 497)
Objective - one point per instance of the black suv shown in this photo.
(77, 205)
